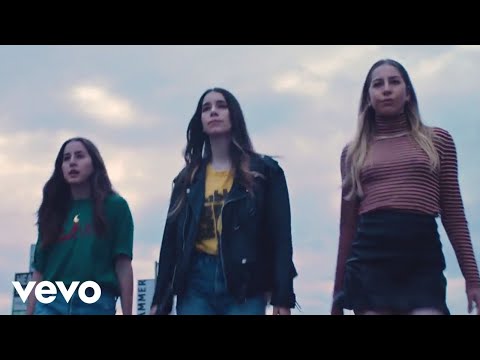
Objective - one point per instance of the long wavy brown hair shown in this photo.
(57, 196)
(198, 148)
(357, 150)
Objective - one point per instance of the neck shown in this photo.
(80, 191)
(220, 147)
(391, 125)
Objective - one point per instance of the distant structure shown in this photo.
(145, 290)
(18, 307)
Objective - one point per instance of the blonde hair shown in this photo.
(357, 150)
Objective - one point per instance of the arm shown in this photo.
(348, 225)
(163, 297)
(123, 254)
(39, 265)
(32, 300)
(278, 222)
(452, 212)
(124, 271)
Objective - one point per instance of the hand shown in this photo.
(337, 302)
(336, 310)
(153, 310)
(277, 310)
(473, 296)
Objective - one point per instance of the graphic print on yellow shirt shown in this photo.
(217, 186)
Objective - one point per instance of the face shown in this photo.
(215, 115)
(387, 91)
(77, 164)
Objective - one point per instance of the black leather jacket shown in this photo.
(255, 244)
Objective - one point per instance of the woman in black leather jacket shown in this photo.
(227, 245)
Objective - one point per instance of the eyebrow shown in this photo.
(217, 102)
(389, 78)
(75, 153)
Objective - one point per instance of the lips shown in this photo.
(73, 172)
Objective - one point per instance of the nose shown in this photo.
(387, 88)
(213, 111)
(72, 162)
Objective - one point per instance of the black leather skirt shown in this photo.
(396, 264)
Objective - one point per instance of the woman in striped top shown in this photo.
(398, 175)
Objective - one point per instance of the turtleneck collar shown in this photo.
(391, 125)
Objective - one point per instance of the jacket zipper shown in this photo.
(220, 239)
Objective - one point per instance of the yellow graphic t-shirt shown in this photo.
(217, 186)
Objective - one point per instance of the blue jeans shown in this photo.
(206, 292)
(105, 305)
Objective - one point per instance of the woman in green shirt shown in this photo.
(85, 233)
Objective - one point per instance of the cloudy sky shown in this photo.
(135, 102)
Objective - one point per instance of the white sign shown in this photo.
(145, 291)
(18, 306)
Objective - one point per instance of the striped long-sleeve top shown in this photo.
(397, 175)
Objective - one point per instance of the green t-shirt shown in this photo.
(81, 255)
